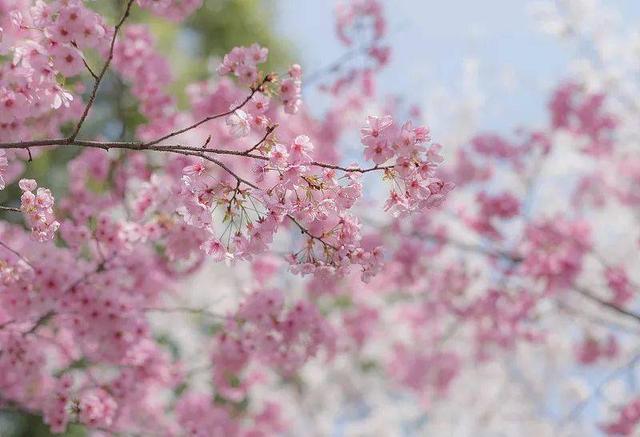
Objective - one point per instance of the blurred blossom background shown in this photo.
(499, 58)
(492, 66)
(464, 68)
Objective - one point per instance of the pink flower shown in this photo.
(27, 184)
(67, 60)
(243, 61)
(627, 421)
(38, 210)
(259, 103)
(300, 150)
(375, 129)
(97, 409)
(379, 151)
(279, 156)
(195, 169)
(13, 106)
(215, 249)
(554, 249)
(619, 284)
(173, 10)
(257, 54)
(291, 90)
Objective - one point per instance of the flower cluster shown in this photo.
(501, 320)
(291, 89)
(584, 114)
(619, 284)
(229, 175)
(37, 209)
(553, 251)
(243, 62)
(56, 413)
(96, 408)
(495, 146)
(428, 374)
(360, 323)
(353, 16)
(198, 417)
(414, 166)
(265, 331)
(317, 202)
(136, 59)
(626, 422)
(502, 206)
(42, 41)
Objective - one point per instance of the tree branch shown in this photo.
(592, 297)
(16, 253)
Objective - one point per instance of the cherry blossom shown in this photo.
(230, 265)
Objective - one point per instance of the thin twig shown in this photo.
(254, 89)
(306, 231)
(16, 253)
(95, 76)
(100, 76)
(592, 297)
(262, 140)
(9, 208)
(188, 310)
(335, 65)
(40, 322)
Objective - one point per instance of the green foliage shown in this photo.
(223, 32)
(20, 424)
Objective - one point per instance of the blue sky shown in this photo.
(431, 40)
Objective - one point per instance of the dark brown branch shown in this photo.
(351, 169)
(592, 297)
(174, 148)
(189, 151)
(36, 143)
(40, 322)
(262, 140)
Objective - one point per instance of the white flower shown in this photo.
(238, 123)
